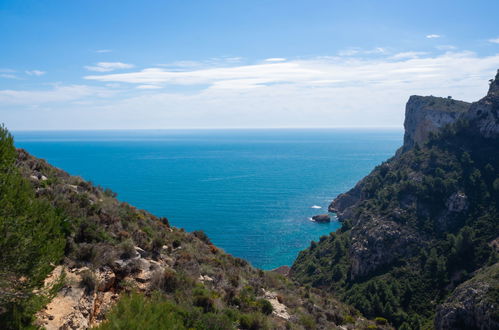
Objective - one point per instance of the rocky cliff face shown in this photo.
(412, 227)
(427, 114)
(484, 114)
(473, 304)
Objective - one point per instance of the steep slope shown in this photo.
(79, 258)
(421, 223)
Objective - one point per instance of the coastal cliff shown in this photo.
(420, 225)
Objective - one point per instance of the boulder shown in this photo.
(321, 218)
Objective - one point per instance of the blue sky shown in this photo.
(219, 64)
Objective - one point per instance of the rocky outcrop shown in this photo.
(427, 114)
(322, 218)
(484, 114)
(473, 304)
(378, 242)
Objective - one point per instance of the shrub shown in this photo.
(88, 280)
(127, 249)
(253, 321)
(265, 306)
(202, 236)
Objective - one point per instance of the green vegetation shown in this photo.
(136, 311)
(413, 191)
(32, 240)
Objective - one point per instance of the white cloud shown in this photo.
(433, 36)
(35, 72)
(275, 59)
(103, 51)
(313, 92)
(149, 87)
(109, 66)
(404, 55)
(494, 41)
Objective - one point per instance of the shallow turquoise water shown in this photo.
(250, 190)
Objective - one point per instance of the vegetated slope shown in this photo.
(420, 233)
(73, 256)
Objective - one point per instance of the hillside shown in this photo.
(74, 257)
(419, 242)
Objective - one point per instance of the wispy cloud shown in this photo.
(275, 59)
(9, 76)
(433, 36)
(56, 94)
(103, 51)
(494, 41)
(109, 66)
(404, 55)
(35, 72)
(446, 47)
(359, 51)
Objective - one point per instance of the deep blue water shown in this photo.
(251, 191)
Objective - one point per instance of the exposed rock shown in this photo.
(321, 218)
(426, 114)
(378, 242)
(484, 114)
(457, 202)
(205, 278)
(279, 309)
(473, 304)
(106, 279)
(283, 270)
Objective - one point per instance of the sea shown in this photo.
(252, 191)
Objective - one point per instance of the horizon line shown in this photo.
(207, 128)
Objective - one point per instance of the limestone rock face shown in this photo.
(426, 114)
(484, 114)
(472, 304)
(377, 242)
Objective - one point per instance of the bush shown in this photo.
(202, 236)
(253, 321)
(265, 306)
(88, 280)
(127, 249)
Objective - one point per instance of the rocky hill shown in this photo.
(420, 232)
(73, 257)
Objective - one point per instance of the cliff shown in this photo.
(420, 224)
(427, 114)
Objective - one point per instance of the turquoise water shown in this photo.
(251, 191)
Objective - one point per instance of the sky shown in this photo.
(88, 64)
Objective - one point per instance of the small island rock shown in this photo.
(321, 218)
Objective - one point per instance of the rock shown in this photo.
(283, 270)
(321, 218)
(426, 114)
(472, 305)
(279, 309)
(141, 252)
(377, 242)
(106, 279)
(484, 114)
(457, 202)
(205, 278)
